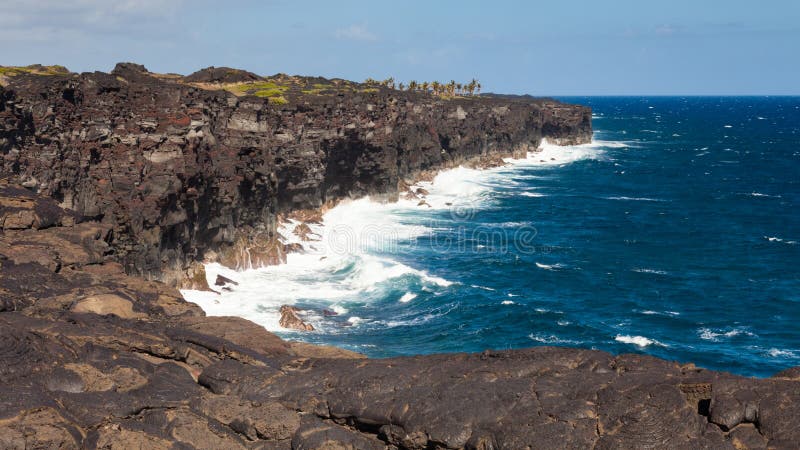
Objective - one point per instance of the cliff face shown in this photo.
(178, 167)
(91, 357)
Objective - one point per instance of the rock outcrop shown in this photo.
(94, 357)
(182, 168)
(291, 320)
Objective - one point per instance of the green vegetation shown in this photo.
(282, 88)
(258, 88)
(263, 89)
(36, 69)
(451, 89)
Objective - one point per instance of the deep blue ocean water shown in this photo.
(676, 234)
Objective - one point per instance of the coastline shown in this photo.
(96, 352)
(343, 236)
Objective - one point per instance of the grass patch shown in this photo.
(36, 69)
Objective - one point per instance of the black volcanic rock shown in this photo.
(108, 173)
(176, 171)
(221, 75)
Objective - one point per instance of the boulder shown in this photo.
(104, 304)
(291, 320)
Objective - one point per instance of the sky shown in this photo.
(557, 47)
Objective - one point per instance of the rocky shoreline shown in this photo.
(116, 186)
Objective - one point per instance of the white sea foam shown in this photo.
(778, 353)
(511, 224)
(554, 155)
(531, 194)
(635, 199)
(639, 341)
(759, 194)
(338, 309)
(646, 270)
(407, 297)
(507, 302)
(660, 313)
(482, 287)
(552, 339)
(549, 266)
(347, 262)
(715, 335)
(777, 239)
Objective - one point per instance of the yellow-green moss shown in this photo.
(264, 89)
(12, 71)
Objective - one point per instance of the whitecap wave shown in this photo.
(552, 339)
(549, 266)
(652, 271)
(759, 194)
(779, 353)
(482, 287)
(635, 199)
(715, 335)
(554, 155)
(777, 239)
(661, 313)
(639, 341)
(407, 297)
(347, 260)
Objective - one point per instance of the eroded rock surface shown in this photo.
(176, 168)
(91, 357)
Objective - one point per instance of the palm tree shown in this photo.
(478, 87)
(401, 86)
(389, 82)
(412, 86)
(425, 85)
(436, 86)
(451, 87)
(471, 86)
(459, 88)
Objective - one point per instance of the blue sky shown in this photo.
(541, 48)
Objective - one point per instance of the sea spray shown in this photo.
(347, 259)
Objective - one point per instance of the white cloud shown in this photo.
(43, 20)
(356, 33)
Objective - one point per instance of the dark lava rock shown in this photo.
(291, 320)
(153, 173)
(222, 281)
(179, 169)
(221, 75)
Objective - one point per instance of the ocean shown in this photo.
(675, 233)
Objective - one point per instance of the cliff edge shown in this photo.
(106, 177)
(186, 169)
